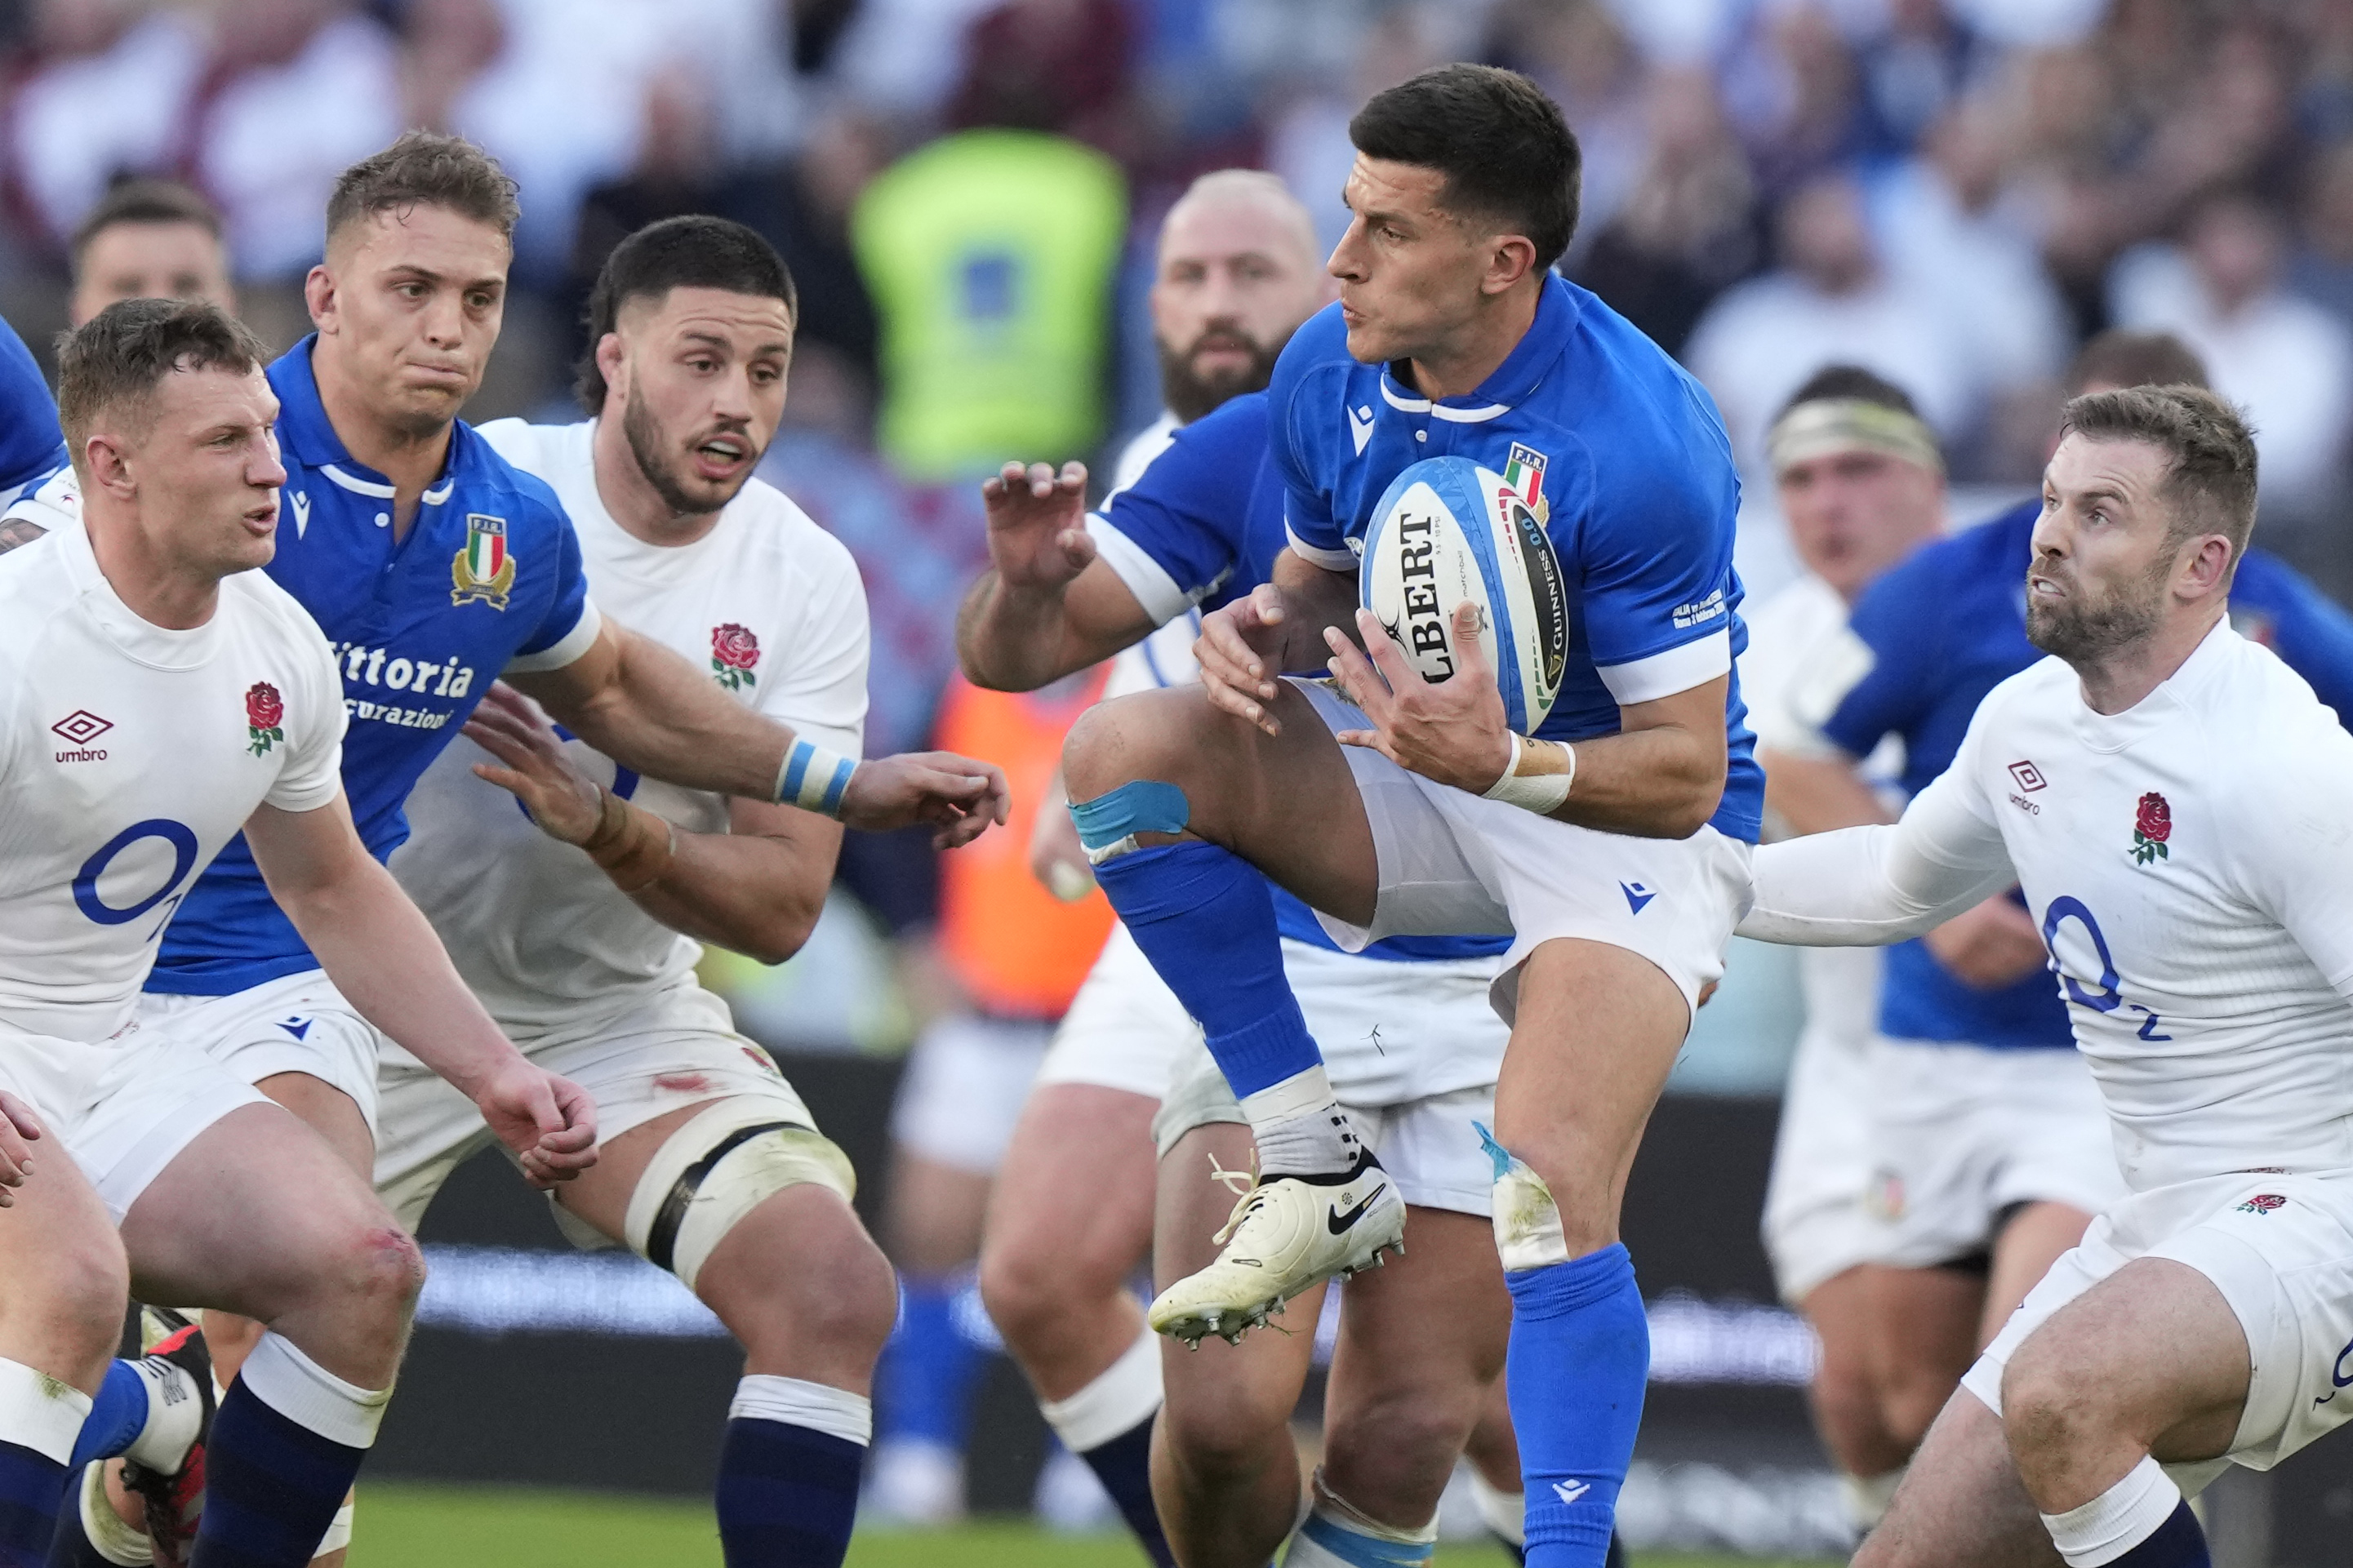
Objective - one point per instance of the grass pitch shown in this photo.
(408, 1526)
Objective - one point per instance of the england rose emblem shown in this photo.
(263, 709)
(2152, 826)
(734, 651)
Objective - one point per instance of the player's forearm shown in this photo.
(1013, 639)
(660, 716)
(1860, 887)
(1816, 794)
(1647, 784)
(383, 955)
(757, 897)
(1313, 600)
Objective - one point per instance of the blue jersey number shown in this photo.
(2110, 995)
(183, 841)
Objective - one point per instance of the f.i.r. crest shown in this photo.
(483, 569)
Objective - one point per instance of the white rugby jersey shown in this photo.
(770, 604)
(129, 755)
(2190, 863)
(1785, 635)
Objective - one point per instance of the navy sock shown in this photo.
(922, 1389)
(1580, 1354)
(2177, 1543)
(787, 1495)
(117, 1416)
(271, 1486)
(32, 1486)
(1124, 1465)
(70, 1547)
(1205, 917)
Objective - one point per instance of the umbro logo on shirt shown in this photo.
(2028, 778)
(81, 727)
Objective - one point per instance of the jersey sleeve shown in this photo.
(1860, 688)
(2300, 864)
(313, 773)
(820, 687)
(1655, 566)
(32, 446)
(1174, 534)
(569, 626)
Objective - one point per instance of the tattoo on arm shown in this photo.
(16, 531)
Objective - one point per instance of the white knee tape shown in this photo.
(718, 1168)
(1527, 1222)
(339, 1533)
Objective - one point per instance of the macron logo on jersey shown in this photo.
(1637, 895)
(1360, 426)
(1569, 1492)
(302, 504)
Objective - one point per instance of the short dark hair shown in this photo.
(2210, 487)
(1852, 382)
(126, 349)
(1505, 149)
(691, 252)
(145, 201)
(2119, 358)
(425, 169)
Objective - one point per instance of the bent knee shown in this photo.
(2044, 1405)
(1210, 1436)
(381, 1265)
(1146, 735)
(1033, 1294)
(80, 1289)
(826, 1289)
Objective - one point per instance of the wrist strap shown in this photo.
(1537, 777)
(631, 846)
(813, 779)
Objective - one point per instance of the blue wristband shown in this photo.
(815, 779)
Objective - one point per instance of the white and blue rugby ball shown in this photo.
(1447, 531)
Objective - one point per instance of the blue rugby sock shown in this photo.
(32, 1489)
(922, 1388)
(1580, 1355)
(286, 1446)
(116, 1417)
(788, 1473)
(1124, 1465)
(2178, 1543)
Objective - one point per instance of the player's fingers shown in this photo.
(20, 1115)
(1237, 701)
(1469, 657)
(1078, 548)
(507, 778)
(1042, 480)
(1074, 477)
(1358, 678)
(1381, 649)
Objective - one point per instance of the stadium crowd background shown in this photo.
(1954, 192)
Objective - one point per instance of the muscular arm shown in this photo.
(757, 889)
(651, 712)
(1013, 638)
(1662, 775)
(1870, 885)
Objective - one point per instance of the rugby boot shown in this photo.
(175, 1502)
(1286, 1235)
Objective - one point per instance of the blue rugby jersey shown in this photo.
(488, 578)
(32, 447)
(1619, 452)
(1942, 629)
(1201, 526)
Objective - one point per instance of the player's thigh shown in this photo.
(2154, 1354)
(2029, 1242)
(1597, 1032)
(259, 1213)
(328, 1112)
(1287, 802)
(63, 1276)
(1921, 1333)
(1072, 1211)
(1961, 1504)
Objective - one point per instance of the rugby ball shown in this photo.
(1447, 531)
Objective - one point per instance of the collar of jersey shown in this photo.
(308, 436)
(158, 648)
(1522, 370)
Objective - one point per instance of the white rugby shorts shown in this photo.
(296, 1023)
(966, 1079)
(1958, 1133)
(659, 1053)
(1429, 1147)
(124, 1107)
(1453, 863)
(1124, 1027)
(2279, 1249)
(1815, 1223)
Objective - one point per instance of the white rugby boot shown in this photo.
(1286, 1235)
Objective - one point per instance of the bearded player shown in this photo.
(2170, 797)
(433, 566)
(1615, 843)
(583, 935)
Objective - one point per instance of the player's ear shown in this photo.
(105, 464)
(1510, 257)
(319, 298)
(2203, 567)
(611, 358)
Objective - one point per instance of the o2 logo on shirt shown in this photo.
(87, 899)
(2110, 997)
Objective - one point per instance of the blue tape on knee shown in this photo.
(1145, 805)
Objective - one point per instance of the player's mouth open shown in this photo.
(262, 519)
(722, 455)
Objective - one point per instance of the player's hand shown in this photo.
(559, 797)
(961, 798)
(1241, 654)
(1454, 731)
(18, 1127)
(1037, 524)
(1057, 858)
(549, 1122)
(1990, 946)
